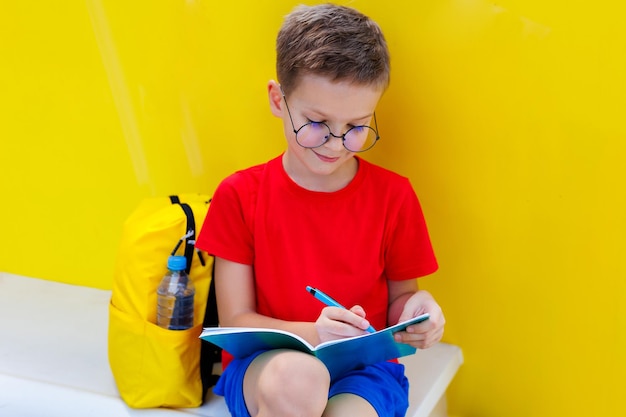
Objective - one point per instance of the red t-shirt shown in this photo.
(347, 243)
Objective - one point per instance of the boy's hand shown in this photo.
(426, 333)
(338, 323)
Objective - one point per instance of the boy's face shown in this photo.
(340, 105)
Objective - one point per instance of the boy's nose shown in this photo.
(334, 142)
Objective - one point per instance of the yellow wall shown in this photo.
(508, 118)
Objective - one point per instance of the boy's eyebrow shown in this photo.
(324, 116)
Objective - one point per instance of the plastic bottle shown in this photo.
(175, 296)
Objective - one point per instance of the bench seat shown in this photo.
(53, 358)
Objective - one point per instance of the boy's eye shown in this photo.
(322, 125)
(316, 125)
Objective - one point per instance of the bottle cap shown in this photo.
(177, 263)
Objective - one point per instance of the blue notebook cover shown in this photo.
(339, 356)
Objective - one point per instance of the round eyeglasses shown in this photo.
(315, 134)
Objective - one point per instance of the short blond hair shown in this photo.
(333, 41)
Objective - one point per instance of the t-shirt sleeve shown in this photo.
(224, 232)
(409, 252)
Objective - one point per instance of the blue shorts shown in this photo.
(383, 385)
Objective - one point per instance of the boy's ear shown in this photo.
(275, 96)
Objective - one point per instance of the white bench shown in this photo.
(53, 358)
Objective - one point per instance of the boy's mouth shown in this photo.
(325, 158)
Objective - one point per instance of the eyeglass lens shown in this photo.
(356, 139)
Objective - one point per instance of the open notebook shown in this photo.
(339, 356)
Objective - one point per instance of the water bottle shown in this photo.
(175, 296)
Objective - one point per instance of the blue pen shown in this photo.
(329, 301)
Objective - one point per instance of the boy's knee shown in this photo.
(293, 381)
(291, 370)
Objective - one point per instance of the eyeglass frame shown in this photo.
(342, 137)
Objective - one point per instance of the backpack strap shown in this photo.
(191, 239)
(209, 354)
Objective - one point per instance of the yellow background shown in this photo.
(508, 117)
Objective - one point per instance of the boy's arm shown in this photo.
(236, 302)
(407, 301)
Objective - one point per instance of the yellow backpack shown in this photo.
(152, 366)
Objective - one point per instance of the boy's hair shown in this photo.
(333, 41)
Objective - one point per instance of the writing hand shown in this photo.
(338, 323)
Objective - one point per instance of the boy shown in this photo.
(319, 215)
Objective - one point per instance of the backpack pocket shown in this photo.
(157, 367)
